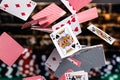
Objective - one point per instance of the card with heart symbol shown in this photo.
(72, 21)
(65, 41)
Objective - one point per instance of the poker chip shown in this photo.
(26, 64)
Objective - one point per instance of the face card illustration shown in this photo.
(87, 15)
(90, 57)
(35, 78)
(75, 5)
(52, 12)
(18, 8)
(101, 34)
(79, 75)
(72, 21)
(10, 50)
(54, 60)
(65, 41)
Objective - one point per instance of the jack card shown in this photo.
(101, 34)
(65, 41)
(79, 75)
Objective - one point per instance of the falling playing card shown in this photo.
(63, 76)
(52, 12)
(87, 15)
(35, 78)
(90, 57)
(75, 5)
(79, 75)
(54, 60)
(18, 8)
(73, 23)
(65, 41)
(48, 30)
(10, 50)
(101, 34)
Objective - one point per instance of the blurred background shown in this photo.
(39, 45)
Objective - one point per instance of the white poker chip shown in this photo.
(3, 65)
(14, 65)
(43, 57)
(20, 68)
(33, 57)
(109, 67)
(118, 59)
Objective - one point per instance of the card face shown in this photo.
(18, 8)
(74, 6)
(63, 76)
(54, 60)
(72, 21)
(52, 12)
(10, 50)
(87, 15)
(79, 75)
(65, 41)
(101, 34)
(34, 78)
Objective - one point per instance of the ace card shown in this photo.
(65, 41)
(101, 34)
(54, 60)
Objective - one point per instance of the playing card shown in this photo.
(54, 60)
(74, 61)
(79, 75)
(10, 50)
(19, 8)
(35, 78)
(75, 5)
(72, 21)
(90, 57)
(52, 12)
(63, 76)
(33, 23)
(101, 34)
(87, 15)
(48, 30)
(65, 41)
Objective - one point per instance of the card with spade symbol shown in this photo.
(72, 21)
(65, 41)
(79, 75)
